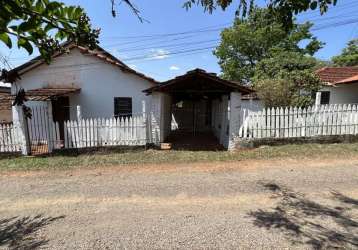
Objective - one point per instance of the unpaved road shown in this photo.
(242, 205)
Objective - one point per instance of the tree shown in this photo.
(44, 24)
(284, 9)
(254, 38)
(349, 55)
(286, 79)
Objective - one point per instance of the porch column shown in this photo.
(234, 122)
(224, 120)
(318, 98)
(20, 124)
(50, 132)
(158, 117)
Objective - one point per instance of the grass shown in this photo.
(305, 151)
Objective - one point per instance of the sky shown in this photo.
(175, 40)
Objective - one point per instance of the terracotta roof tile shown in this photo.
(44, 94)
(336, 75)
(348, 80)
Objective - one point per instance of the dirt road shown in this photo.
(242, 205)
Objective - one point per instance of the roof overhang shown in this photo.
(46, 94)
(42, 94)
(199, 81)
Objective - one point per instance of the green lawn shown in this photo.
(304, 151)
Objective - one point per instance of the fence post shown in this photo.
(79, 114)
(50, 139)
(318, 99)
(234, 122)
(20, 123)
(145, 125)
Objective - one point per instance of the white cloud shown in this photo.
(173, 67)
(158, 54)
(132, 66)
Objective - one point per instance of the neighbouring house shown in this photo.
(5, 105)
(341, 85)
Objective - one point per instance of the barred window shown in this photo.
(325, 97)
(122, 106)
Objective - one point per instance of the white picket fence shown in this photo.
(101, 132)
(9, 139)
(290, 122)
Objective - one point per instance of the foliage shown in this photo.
(44, 24)
(252, 39)
(349, 55)
(283, 9)
(286, 79)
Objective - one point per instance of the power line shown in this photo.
(5, 62)
(199, 30)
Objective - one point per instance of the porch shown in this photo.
(195, 110)
(49, 110)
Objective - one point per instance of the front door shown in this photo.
(61, 112)
(193, 115)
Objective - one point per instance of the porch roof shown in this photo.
(5, 101)
(199, 81)
(45, 94)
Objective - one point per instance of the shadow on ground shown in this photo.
(20, 233)
(304, 221)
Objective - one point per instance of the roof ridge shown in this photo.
(108, 57)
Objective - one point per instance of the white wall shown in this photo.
(344, 93)
(99, 81)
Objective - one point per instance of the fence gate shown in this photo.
(39, 130)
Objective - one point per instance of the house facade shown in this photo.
(80, 83)
(96, 81)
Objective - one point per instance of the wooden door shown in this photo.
(61, 112)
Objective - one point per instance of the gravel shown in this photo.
(239, 205)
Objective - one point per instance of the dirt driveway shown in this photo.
(242, 205)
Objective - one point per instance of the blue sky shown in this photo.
(156, 49)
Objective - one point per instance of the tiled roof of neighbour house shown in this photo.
(337, 75)
(348, 80)
(99, 53)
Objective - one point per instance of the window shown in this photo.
(122, 106)
(325, 97)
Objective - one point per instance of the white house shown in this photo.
(96, 81)
(199, 103)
